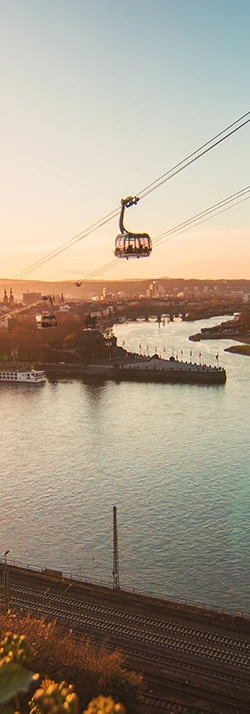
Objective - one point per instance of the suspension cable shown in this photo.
(208, 213)
(203, 220)
(145, 191)
(214, 207)
(194, 156)
(68, 244)
(96, 272)
(191, 161)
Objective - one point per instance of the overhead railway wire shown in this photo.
(214, 210)
(187, 161)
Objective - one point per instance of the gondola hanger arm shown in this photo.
(126, 203)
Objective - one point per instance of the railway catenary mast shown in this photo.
(116, 581)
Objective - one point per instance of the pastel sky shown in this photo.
(100, 97)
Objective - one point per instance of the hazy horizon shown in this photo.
(90, 286)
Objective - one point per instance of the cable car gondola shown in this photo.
(47, 319)
(131, 245)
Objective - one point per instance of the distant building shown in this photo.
(89, 344)
(64, 308)
(29, 298)
(106, 295)
(4, 323)
(155, 290)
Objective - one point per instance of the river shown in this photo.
(174, 459)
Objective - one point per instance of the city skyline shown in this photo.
(98, 102)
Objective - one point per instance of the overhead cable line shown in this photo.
(214, 210)
(203, 220)
(191, 158)
(220, 207)
(68, 244)
(228, 200)
(208, 213)
(216, 136)
(93, 274)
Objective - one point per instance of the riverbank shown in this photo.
(239, 349)
(244, 338)
(139, 369)
(221, 335)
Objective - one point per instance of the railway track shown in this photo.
(140, 620)
(153, 705)
(99, 620)
(206, 661)
(192, 693)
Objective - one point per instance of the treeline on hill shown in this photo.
(57, 655)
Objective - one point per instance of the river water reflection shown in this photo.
(175, 460)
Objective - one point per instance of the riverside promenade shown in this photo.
(193, 659)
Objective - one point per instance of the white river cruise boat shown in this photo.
(28, 376)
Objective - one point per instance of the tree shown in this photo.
(50, 697)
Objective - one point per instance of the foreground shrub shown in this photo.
(56, 655)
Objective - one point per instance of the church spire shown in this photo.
(5, 297)
(11, 298)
